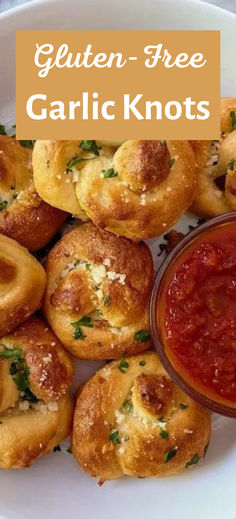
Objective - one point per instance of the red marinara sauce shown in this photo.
(198, 314)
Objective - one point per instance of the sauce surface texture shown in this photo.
(199, 319)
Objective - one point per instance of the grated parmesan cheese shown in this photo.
(98, 274)
(119, 416)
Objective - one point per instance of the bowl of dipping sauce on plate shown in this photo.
(193, 314)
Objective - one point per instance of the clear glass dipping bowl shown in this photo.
(156, 296)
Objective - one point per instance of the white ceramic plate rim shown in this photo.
(35, 3)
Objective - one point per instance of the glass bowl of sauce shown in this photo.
(193, 314)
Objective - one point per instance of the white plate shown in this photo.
(55, 486)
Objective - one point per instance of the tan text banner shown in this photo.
(117, 84)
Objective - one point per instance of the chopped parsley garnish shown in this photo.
(200, 221)
(106, 300)
(183, 406)
(3, 205)
(162, 247)
(194, 460)
(114, 437)
(126, 438)
(90, 146)
(14, 134)
(56, 448)
(169, 455)
(27, 144)
(78, 334)
(171, 162)
(19, 372)
(22, 375)
(88, 266)
(142, 336)
(10, 353)
(73, 162)
(231, 165)
(29, 396)
(142, 363)
(164, 434)
(2, 130)
(13, 368)
(109, 173)
(127, 405)
(206, 449)
(84, 321)
(123, 366)
(233, 118)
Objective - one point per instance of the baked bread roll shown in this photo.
(22, 284)
(97, 295)
(215, 192)
(137, 190)
(35, 405)
(23, 215)
(131, 419)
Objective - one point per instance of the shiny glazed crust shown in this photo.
(215, 159)
(140, 447)
(29, 431)
(107, 279)
(22, 284)
(152, 183)
(26, 217)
